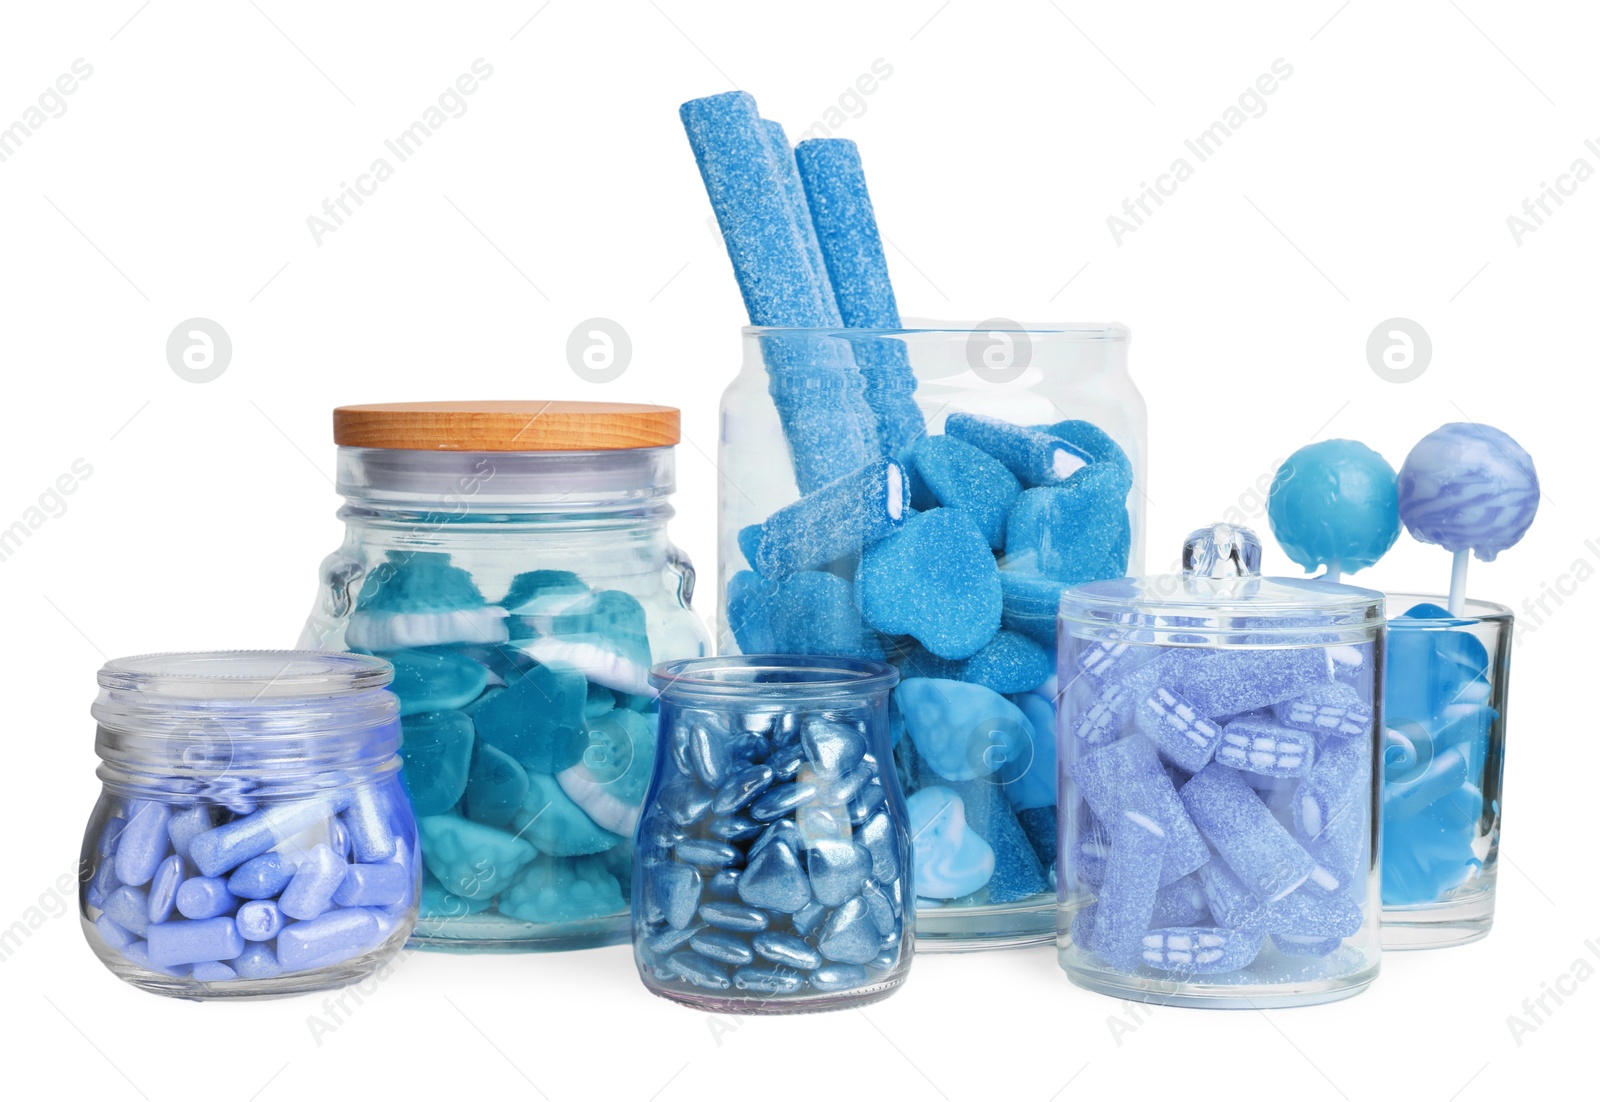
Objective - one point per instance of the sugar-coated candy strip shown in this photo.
(1199, 950)
(1036, 458)
(787, 169)
(1334, 786)
(190, 942)
(1299, 945)
(331, 937)
(143, 843)
(1187, 738)
(1127, 898)
(1304, 911)
(1333, 711)
(843, 516)
(231, 844)
(1241, 828)
(1255, 745)
(1224, 682)
(1127, 776)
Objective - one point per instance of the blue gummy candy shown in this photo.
(1261, 746)
(496, 784)
(1030, 602)
(435, 681)
(951, 860)
(1199, 950)
(1127, 898)
(538, 720)
(934, 579)
(1334, 503)
(1330, 712)
(1017, 871)
(1090, 440)
(418, 581)
(1033, 786)
(471, 860)
(533, 590)
(563, 889)
(787, 169)
(1222, 682)
(554, 824)
(437, 750)
(1009, 663)
(1187, 738)
(960, 476)
(1468, 485)
(1074, 532)
(962, 730)
(1036, 458)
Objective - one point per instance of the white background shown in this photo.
(178, 183)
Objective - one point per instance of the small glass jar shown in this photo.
(1218, 749)
(922, 496)
(1445, 696)
(253, 837)
(773, 861)
(511, 559)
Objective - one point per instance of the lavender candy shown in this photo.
(367, 822)
(259, 920)
(834, 520)
(213, 971)
(1228, 682)
(262, 877)
(129, 908)
(189, 824)
(1187, 738)
(143, 843)
(1127, 776)
(1127, 898)
(311, 890)
(1261, 746)
(373, 885)
(230, 845)
(1199, 950)
(1241, 829)
(328, 939)
(115, 935)
(257, 962)
(164, 888)
(1036, 458)
(1334, 711)
(205, 897)
(180, 942)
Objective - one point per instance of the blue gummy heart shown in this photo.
(959, 476)
(934, 579)
(1075, 532)
(496, 784)
(417, 581)
(437, 750)
(950, 860)
(431, 681)
(963, 731)
(538, 720)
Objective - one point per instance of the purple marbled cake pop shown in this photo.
(1468, 486)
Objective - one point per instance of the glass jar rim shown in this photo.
(1475, 612)
(1079, 332)
(769, 675)
(245, 676)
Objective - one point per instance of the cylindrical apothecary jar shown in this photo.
(253, 837)
(773, 868)
(1217, 744)
(921, 497)
(1445, 697)
(511, 559)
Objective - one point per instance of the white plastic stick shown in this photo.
(1458, 584)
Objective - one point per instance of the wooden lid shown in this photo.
(505, 426)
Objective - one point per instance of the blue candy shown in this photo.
(951, 860)
(1036, 458)
(164, 889)
(1220, 682)
(185, 826)
(382, 885)
(179, 942)
(536, 591)
(417, 581)
(832, 521)
(1199, 950)
(849, 936)
(259, 920)
(1017, 871)
(812, 612)
(1088, 439)
(1335, 787)
(787, 169)
(437, 750)
(328, 938)
(257, 962)
(230, 845)
(563, 889)
(554, 824)
(1030, 602)
(538, 720)
(1074, 532)
(142, 845)
(129, 908)
(774, 880)
(1034, 786)
(205, 897)
(1334, 503)
(262, 877)
(431, 681)
(1333, 711)
(1467, 485)
(934, 579)
(962, 730)
(1187, 738)
(311, 890)
(1127, 899)
(960, 476)
(496, 785)
(471, 860)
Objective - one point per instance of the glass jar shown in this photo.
(511, 560)
(772, 864)
(922, 496)
(253, 837)
(1218, 743)
(1445, 694)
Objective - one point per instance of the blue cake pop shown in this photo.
(1334, 504)
(1467, 487)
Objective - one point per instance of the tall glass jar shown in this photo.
(511, 559)
(922, 496)
(1219, 782)
(1445, 697)
(253, 837)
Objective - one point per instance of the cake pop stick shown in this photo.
(1468, 487)
(1334, 504)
